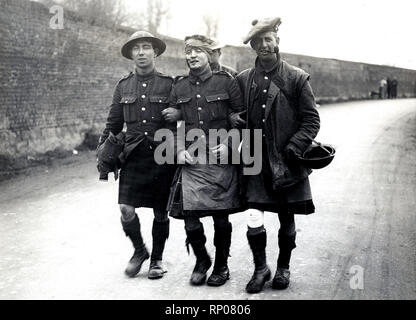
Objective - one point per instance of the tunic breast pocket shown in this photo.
(187, 112)
(157, 104)
(218, 105)
(129, 108)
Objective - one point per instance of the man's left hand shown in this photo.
(291, 153)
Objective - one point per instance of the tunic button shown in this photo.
(160, 100)
(264, 90)
(199, 108)
(218, 98)
(201, 122)
(198, 96)
(264, 120)
(197, 82)
(263, 106)
(143, 96)
(266, 78)
(143, 109)
(144, 85)
(144, 121)
(145, 133)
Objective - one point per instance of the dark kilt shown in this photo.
(260, 194)
(144, 183)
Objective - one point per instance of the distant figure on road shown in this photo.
(215, 59)
(280, 102)
(388, 88)
(383, 89)
(138, 101)
(393, 89)
(203, 188)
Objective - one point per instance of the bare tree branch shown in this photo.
(211, 24)
(151, 16)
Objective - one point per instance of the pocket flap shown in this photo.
(128, 99)
(217, 97)
(183, 100)
(159, 99)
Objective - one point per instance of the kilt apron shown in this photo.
(205, 189)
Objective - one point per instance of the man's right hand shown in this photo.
(185, 157)
(171, 114)
(235, 119)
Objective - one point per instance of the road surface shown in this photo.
(61, 237)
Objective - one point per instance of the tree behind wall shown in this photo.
(151, 16)
(211, 24)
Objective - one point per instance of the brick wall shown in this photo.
(56, 85)
(331, 79)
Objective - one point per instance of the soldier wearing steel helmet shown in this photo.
(138, 102)
(215, 63)
(280, 102)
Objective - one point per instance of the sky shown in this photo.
(371, 31)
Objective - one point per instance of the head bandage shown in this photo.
(197, 43)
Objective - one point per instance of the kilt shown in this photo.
(144, 183)
(259, 193)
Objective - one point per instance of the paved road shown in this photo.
(61, 238)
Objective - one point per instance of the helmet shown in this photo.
(216, 44)
(142, 35)
(317, 156)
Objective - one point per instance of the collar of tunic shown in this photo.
(145, 77)
(261, 69)
(206, 74)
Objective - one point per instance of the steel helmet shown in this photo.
(317, 156)
(216, 44)
(142, 35)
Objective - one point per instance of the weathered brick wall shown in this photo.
(333, 79)
(56, 85)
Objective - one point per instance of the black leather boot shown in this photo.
(132, 230)
(262, 272)
(281, 279)
(160, 232)
(197, 240)
(287, 243)
(222, 242)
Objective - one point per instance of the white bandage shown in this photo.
(255, 218)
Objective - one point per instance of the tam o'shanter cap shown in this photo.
(260, 26)
(142, 35)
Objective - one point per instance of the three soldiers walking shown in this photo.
(275, 97)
